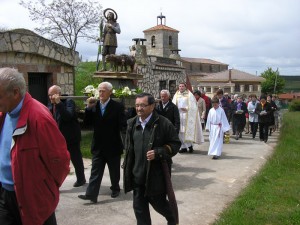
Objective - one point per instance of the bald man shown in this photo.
(64, 113)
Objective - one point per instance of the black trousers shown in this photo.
(9, 210)
(263, 131)
(158, 202)
(254, 126)
(76, 158)
(98, 165)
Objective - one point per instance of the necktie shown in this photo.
(54, 111)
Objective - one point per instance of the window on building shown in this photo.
(208, 89)
(255, 87)
(237, 87)
(227, 89)
(172, 87)
(162, 84)
(246, 87)
(153, 41)
(170, 41)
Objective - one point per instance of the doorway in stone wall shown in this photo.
(38, 86)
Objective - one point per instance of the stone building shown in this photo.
(162, 67)
(42, 62)
(231, 81)
(159, 70)
(197, 66)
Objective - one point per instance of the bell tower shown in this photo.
(161, 39)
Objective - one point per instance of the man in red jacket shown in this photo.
(34, 160)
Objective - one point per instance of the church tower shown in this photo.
(162, 40)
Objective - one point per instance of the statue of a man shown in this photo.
(111, 29)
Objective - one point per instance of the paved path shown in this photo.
(203, 187)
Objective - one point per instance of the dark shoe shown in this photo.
(237, 137)
(215, 157)
(241, 135)
(247, 132)
(191, 149)
(183, 150)
(88, 197)
(79, 183)
(265, 141)
(115, 194)
(261, 139)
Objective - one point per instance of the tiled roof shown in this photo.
(161, 27)
(289, 95)
(236, 75)
(199, 60)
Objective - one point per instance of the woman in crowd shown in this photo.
(253, 117)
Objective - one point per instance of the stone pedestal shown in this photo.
(120, 79)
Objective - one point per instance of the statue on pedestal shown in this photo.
(109, 35)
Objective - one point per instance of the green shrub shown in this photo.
(84, 73)
(294, 105)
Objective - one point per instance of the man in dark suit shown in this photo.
(108, 118)
(64, 113)
(168, 109)
(264, 110)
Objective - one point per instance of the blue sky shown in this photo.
(249, 35)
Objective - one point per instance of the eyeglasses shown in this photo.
(141, 106)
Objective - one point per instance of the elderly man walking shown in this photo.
(168, 109)
(108, 118)
(151, 143)
(34, 160)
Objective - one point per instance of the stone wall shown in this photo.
(155, 71)
(33, 54)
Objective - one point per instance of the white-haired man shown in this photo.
(34, 160)
(108, 118)
(168, 109)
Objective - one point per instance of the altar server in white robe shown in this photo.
(190, 125)
(217, 124)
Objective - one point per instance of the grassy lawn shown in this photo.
(86, 141)
(273, 196)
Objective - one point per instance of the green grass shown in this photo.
(292, 83)
(85, 145)
(273, 196)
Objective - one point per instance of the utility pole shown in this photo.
(275, 81)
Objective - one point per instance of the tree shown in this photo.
(65, 20)
(2, 29)
(273, 84)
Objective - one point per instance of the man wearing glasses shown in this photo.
(151, 141)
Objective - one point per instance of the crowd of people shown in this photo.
(37, 144)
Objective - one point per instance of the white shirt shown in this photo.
(143, 123)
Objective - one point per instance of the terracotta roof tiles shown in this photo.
(236, 75)
(161, 27)
(200, 60)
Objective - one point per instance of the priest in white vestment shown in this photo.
(217, 124)
(190, 126)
